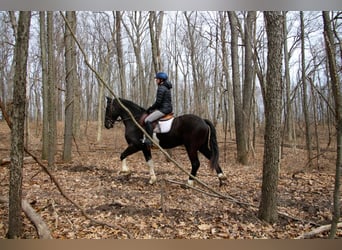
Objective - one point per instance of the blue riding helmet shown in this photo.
(161, 75)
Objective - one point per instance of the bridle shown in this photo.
(109, 117)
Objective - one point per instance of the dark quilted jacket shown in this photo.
(163, 101)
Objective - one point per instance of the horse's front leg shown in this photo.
(131, 149)
(124, 167)
(149, 161)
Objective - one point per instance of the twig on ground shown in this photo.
(215, 194)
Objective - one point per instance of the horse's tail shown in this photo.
(213, 146)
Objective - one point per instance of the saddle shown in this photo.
(162, 125)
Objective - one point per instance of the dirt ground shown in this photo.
(167, 210)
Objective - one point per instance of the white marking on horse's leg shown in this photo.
(153, 177)
(124, 167)
(191, 183)
(222, 176)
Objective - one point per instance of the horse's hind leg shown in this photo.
(207, 153)
(149, 161)
(195, 164)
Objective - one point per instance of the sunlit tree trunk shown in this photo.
(18, 120)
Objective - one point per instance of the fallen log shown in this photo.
(42, 229)
(317, 230)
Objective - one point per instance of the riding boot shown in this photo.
(149, 130)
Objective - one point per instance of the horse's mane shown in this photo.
(133, 107)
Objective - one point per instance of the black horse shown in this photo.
(195, 133)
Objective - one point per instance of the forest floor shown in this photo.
(166, 209)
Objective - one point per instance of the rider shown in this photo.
(162, 105)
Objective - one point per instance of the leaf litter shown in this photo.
(167, 210)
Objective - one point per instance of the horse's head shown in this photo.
(112, 113)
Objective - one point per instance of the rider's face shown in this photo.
(158, 81)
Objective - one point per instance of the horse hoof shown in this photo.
(125, 172)
(222, 176)
(152, 180)
(190, 183)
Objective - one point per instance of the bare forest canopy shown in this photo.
(269, 81)
(194, 48)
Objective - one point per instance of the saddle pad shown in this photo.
(165, 126)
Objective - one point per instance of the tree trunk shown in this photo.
(100, 112)
(70, 68)
(248, 83)
(228, 97)
(305, 95)
(119, 51)
(238, 111)
(155, 25)
(138, 23)
(288, 108)
(197, 109)
(18, 120)
(273, 105)
(52, 134)
(44, 63)
(337, 94)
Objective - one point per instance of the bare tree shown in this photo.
(273, 105)
(288, 108)
(136, 33)
(192, 53)
(241, 143)
(71, 75)
(18, 118)
(43, 61)
(337, 93)
(248, 86)
(228, 88)
(6, 62)
(305, 94)
(51, 85)
(119, 52)
(155, 25)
